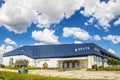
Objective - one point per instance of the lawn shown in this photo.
(15, 76)
(17, 68)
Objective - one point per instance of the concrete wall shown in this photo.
(6, 60)
(52, 63)
(90, 61)
(84, 62)
(96, 60)
(1, 58)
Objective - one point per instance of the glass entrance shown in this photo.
(70, 64)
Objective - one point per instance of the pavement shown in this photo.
(78, 74)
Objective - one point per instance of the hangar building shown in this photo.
(60, 55)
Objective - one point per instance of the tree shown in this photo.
(112, 61)
(20, 63)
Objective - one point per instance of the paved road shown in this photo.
(80, 74)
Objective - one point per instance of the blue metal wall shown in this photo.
(58, 51)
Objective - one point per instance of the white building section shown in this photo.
(79, 62)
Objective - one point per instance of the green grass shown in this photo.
(15, 76)
(16, 68)
(105, 69)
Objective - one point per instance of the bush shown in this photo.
(94, 67)
(20, 63)
(112, 61)
(2, 66)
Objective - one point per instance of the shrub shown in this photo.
(20, 63)
(112, 61)
(2, 66)
(94, 67)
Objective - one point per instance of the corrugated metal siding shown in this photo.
(55, 51)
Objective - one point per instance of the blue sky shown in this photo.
(29, 22)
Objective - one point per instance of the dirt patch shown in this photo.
(79, 74)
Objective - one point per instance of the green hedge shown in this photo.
(15, 76)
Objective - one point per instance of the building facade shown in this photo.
(60, 56)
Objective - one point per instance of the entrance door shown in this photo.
(70, 64)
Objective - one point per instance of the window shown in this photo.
(96, 49)
(11, 61)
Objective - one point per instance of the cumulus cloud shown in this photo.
(4, 49)
(114, 38)
(111, 50)
(18, 15)
(91, 20)
(117, 22)
(86, 24)
(76, 33)
(9, 41)
(41, 43)
(96, 37)
(97, 26)
(101, 11)
(77, 42)
(45, 36)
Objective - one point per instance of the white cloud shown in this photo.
(41, 43)
(76, 33)
(96, 37)
(9, 41)
(8, 48)
(114, 38)
(86, 24)
(91, 20)
(111, 50)
(4, 49)
(117, 22)
(45, 36)
(101, 11)
(77, 42)
(18, 15)
(97, 26)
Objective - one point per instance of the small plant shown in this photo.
(94, 67)
(2, 66)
